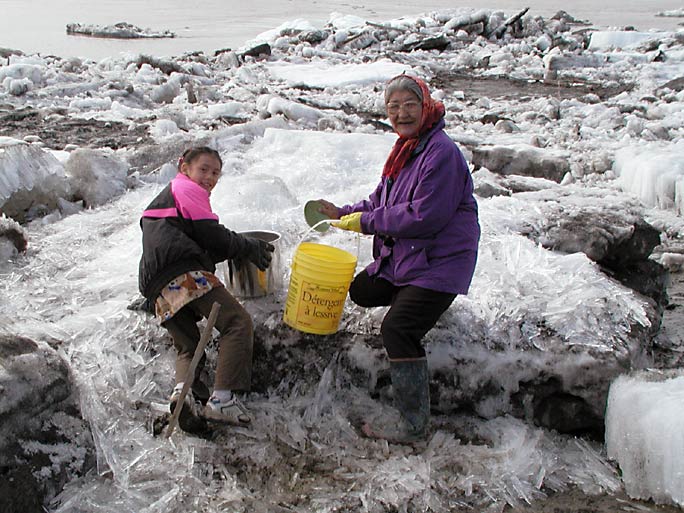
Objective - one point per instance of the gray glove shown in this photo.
(259, 252)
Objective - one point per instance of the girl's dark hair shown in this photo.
(192, 153)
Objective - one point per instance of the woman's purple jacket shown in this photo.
(426, 231)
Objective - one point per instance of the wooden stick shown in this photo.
(190, 376)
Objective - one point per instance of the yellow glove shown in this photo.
(351, 222)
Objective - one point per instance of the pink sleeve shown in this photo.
(191, 200)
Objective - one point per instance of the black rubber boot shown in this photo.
(410, 382)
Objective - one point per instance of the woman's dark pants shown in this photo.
(413, 312)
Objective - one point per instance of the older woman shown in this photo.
(423, 217)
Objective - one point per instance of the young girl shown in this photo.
(182, 242)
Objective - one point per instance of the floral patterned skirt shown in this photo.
(182, 290)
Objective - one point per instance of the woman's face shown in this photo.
(204, 170)
(404, 110)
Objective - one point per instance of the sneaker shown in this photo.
(189, 419)
(231, 412)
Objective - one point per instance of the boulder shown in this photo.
(532, 373)
(439, 43)
(522, 159)
(13, 238)
(44, 442)
(621, 242)
(257, 51)
(576, 219)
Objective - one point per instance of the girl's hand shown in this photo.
(329, 209)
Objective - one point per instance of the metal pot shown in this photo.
(247, 280)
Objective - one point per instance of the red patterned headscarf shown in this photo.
(433, 111)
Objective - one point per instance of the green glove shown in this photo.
(351, 222)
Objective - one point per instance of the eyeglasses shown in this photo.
(409, 106)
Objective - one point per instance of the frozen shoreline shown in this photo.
(232, 27)
(289, 122)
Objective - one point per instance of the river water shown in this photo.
(39, 26)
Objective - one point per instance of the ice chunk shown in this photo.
(607, 40)
(163, 128)
(323, 74)
(288, 27)
(29, 176)
(31, 72)
(655, 173)
(228, 110)
(97, 176)
(294, 111)
(645, 434)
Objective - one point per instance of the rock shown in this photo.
(6, 53)
(487, 184)
(313, 36)
(68, 208)
(165, 66)
(567, 18)
(522, 160)
(620, 241)
(647, 277)
(44, 442)
(506, 126)
(260, 50)
(676, 84)
(439, 43)
(568, 397)
(72, 65)
(13, 234)
(151, 157)
(362, 40)
(615, 237)
(493, 118)
(605, 237)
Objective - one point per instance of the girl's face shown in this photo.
(204, 170)
(404, 110)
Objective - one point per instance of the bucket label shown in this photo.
(315, 307)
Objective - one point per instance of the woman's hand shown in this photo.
(351, 222)
(329, 209)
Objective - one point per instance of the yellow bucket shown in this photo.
(319, 283)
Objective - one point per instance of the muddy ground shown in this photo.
(574, 501)
(57, 130)
(512, 89)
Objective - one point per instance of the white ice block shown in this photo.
(645, 434)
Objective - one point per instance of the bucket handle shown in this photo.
(323, 221)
